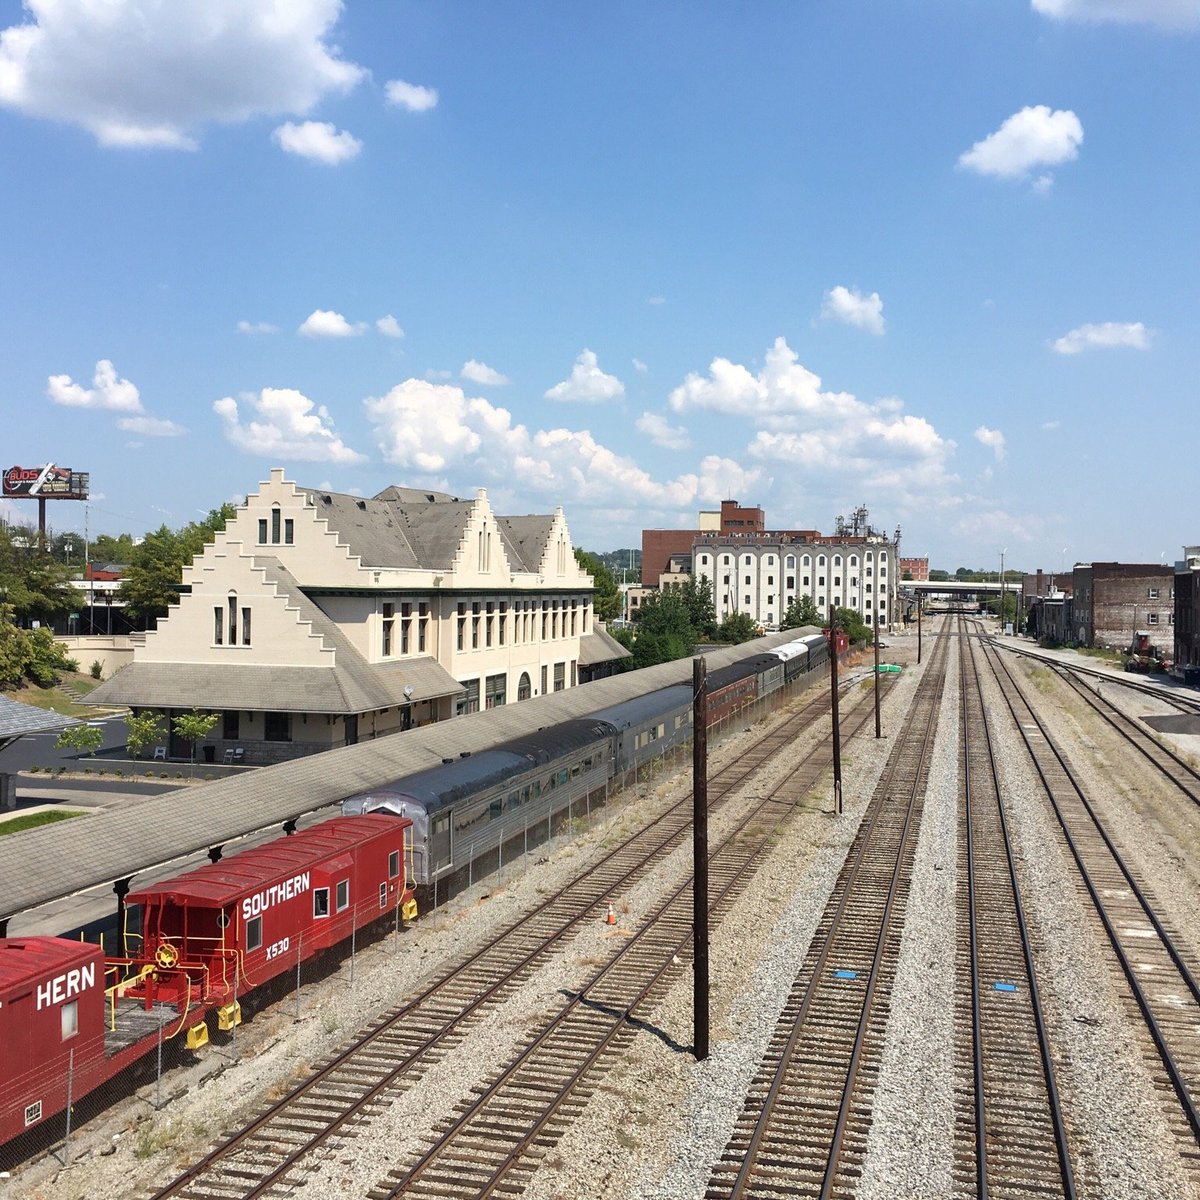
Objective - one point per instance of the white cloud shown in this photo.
(481, 373)
(285, 425)
(993, 438)
(1048, 425)
(659, 430)
(825, 436)
(108, 391)
(656, 299)
(1112, 334)
(1169, 14)
(639, 366)
(411, 95)
(111, 393)
(1032, 138)
(853, 308)
(256, 327)
(389, 327)
(318, 141)
(435, 429)
(147, 73)
(322, 324)
(151, 426)
(587, 384)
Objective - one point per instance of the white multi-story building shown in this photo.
(761, 575)
(318, 619)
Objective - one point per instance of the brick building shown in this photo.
(915, 569)
(1187, 611)
(1112, 601)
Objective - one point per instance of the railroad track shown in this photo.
(804, 1124)
(1010, 1136)
(1173, 767)
(1181, 697)
(496, 1140)
(268, 1154)
(1160, 982)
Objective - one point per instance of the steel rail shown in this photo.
(1174, 1073)
(728, 779)
(669, 960)
(967, 652)
(751, 1153)
(1136, 736)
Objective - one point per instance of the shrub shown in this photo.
(97, 669)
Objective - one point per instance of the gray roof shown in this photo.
(600, 646)
(407, 528)
(525, 539)
(114, 845)
(350, 684)
(17, 719)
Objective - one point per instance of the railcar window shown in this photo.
(383, 895)
(321, 902)
(514, 800)
(70, 1019)
(575, 771)
(343, 894)
(562, 776)
(254, 934)
(393, 864)
(496, 807)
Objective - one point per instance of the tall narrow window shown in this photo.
(289, 531)
(389, 621)
(233, 620)
(275, 519)
(262, 532)
(245, 627)
(218, 625)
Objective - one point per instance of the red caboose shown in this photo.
(52, 1024)
(217, 932)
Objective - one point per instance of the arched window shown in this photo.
(524, 687)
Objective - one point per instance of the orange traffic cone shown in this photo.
(611, 919)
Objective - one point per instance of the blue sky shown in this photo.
(932, 257)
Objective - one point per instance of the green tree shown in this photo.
(607, 598)
(664, 629)
(154, 577)
(194, 727)
(697, 597)
(32, 581)
(31, 654)
(142, 730)
(801, 611)
(85, 738)
(737, 627)
(856, 629)
(108, 549)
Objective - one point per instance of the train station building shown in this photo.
(318, 619)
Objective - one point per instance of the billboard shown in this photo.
(45, 483)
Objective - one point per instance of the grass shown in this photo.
(33, 820)
(54, 699)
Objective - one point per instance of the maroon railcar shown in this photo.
(53, 1028)
(217, 932)
(70, 1018)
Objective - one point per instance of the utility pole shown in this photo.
(1002, 553)
(878, 730)
(833, 704)
(918, 629)
(700, 858)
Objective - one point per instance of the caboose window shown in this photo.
(321, 902)
(343, 894)
(70, 1019)
(254, 934)
(393, 864)
(383, 895)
